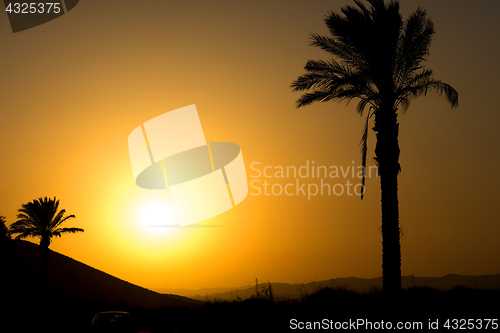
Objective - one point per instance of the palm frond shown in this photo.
(413, 91)
(321, 74)
(315, 96)
(21, 225)
(25, 233)
(60, 231)
(360, 108)
(444, 88)
(348, 54)
(60, 219)
(413, 45)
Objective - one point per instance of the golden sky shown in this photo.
(73, 89)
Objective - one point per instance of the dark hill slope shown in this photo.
(71, 278)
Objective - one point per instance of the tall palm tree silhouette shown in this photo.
(378, 59)
(40, 218)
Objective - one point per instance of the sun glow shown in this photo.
(157, 213)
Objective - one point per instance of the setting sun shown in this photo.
(156, 213)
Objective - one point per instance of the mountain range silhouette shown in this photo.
(286, 291)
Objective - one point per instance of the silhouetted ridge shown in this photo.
(71, 278)
(285, 291)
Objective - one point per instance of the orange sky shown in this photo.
(73, 89)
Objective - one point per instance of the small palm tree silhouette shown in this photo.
(378, 59)
(40, 218)
(4, 231)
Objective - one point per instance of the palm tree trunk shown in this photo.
(44, 246)
(387, 155)
(44, 313)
